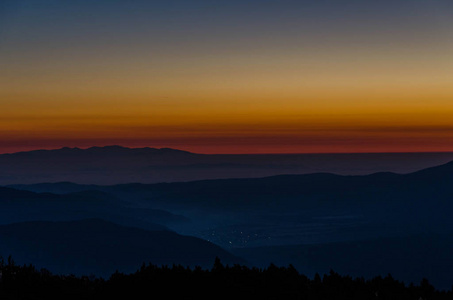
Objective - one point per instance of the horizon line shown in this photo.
(182, 150)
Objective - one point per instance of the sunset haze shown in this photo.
(234, 77)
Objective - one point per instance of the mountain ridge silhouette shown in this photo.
(118, 165)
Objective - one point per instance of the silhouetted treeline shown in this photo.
(221, 282)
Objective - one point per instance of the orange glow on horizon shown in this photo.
(380, 83)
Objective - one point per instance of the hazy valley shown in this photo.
(363, 225)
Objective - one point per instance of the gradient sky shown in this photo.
(228, 76)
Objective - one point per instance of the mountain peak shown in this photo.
(109, 147)
(96, 149)
(117, 148)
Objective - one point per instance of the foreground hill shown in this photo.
(221, 282)
(406, 258)
(98, 247)
(116, 164)
(20, 206)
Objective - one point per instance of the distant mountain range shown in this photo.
(282, 191)
(116, 164)
(378, 204)
(313, 221)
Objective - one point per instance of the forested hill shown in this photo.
(220, 282)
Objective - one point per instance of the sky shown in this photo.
(227, 76)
